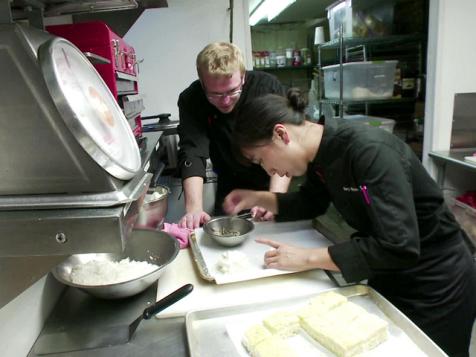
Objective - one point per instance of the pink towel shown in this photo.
(181, 234)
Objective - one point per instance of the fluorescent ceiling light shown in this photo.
(258, 13)
(269, 9)
(275, 7)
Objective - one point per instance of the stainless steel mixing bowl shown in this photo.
(154, 209)
(228, 231)
(148, 245)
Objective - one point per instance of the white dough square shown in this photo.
(346, 330)
(254, 335)
(283, 323)
(273, 346)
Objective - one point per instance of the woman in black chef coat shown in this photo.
(408, 244)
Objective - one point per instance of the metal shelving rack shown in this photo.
(291, 76)
(360, 48)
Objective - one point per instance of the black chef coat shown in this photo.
(205, 132)
(409, 246)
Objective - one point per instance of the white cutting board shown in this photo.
(299, 233)
(208, 295)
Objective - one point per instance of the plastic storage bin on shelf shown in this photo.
(364, 19)
(383, 123)
(362, 80)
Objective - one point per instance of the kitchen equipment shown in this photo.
(85, 338)
(154, 209)
(155, 247)
(169, 139)
(405, 338)
(319, 35)
(360, 19)
(229, 231)
(208, 296)
(115, 61)
(160, 305)
(362, 80)
(383, 123)
(78, 173)
(463, 128)
(207, 253)
(76, 182)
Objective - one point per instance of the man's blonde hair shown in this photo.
(220, 59)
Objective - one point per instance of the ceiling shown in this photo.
(85, 10)
(22, 8)
(301, 10)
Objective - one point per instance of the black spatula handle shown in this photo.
(165, 302)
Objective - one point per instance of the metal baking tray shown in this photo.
(207, 334)
(199, 260)
(206, 252)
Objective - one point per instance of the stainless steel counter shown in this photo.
(455, 157)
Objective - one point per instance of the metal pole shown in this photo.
(231, 20)
(318, 78)
(341, 71)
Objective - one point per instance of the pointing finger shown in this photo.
(269, 242)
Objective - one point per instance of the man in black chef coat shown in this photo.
(206, 110)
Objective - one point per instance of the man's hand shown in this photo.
(195, 216)
(194, 220)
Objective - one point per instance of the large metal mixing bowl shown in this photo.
(228, 231)
(148, 245)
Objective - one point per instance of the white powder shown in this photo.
(103, 272)
(232, 262)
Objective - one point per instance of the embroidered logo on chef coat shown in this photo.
(350, 189)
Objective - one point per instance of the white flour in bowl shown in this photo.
(103, 272)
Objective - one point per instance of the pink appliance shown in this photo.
(114, 60)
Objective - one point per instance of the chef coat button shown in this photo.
(187, 163)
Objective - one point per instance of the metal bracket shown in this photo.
(5, 12)
(35, 17)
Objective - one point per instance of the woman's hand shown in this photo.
(287, 257)
(239, 200)
(261, 214)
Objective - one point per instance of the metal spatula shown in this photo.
(160, 305)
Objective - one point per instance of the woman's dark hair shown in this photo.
(255, 120)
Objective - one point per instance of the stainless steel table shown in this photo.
(455, 157)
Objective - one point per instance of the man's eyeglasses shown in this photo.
(231, 94)
(234, 93)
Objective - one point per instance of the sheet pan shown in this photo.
(206, 252)
(209, 332)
